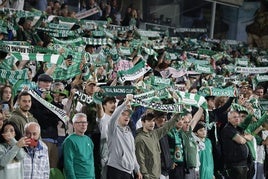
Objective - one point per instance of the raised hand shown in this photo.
(23, 142)
(129, 98)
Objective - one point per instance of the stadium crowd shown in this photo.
(86, 93)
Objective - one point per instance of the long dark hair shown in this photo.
(18, 134)
(10, 102)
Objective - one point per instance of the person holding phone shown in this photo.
(11, 151)
(6, 100)
(36, 161)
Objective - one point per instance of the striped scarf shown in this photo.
(57, 111)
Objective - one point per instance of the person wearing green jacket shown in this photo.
(148, 147)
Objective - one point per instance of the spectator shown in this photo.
(11, 151)
(106, 9)
(49, 10)
(26, 32)
(47, 120)
(189, 144)
(6, 100)
(219, 117)
(115, 13)
(36, 162)
(59, 93)
(56, 8)
(75, 6)
(235, 150)
(78, 151)
(91, 4)
(93, 129)
(206, 168)
(262, 141)
(148, 147)
(176, 151)
(166, 161)
(104, 112)
(21, 115)
(127, 16)
(259, 91)
(134, 18)
(120, 142)
(249, 124)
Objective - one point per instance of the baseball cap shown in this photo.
(91, 81)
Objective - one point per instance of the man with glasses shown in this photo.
(235, 150)
(78, 151)
(121, 158)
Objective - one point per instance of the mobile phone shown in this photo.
(33, 143)
(5, 107)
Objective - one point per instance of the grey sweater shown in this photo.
(121, 145)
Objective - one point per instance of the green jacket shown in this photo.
(20, 120)
(148, 150)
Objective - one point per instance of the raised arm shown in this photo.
(100, 111)
(14, 151)
(226, 105)
(168, 126)
(117, 112)
(239, 139)
(197, 116)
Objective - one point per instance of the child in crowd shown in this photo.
(206, 167)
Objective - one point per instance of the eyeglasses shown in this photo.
(81, 122)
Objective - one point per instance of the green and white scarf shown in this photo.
(247, 70)
(134, 73)
(49, 58)
(14, 75)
